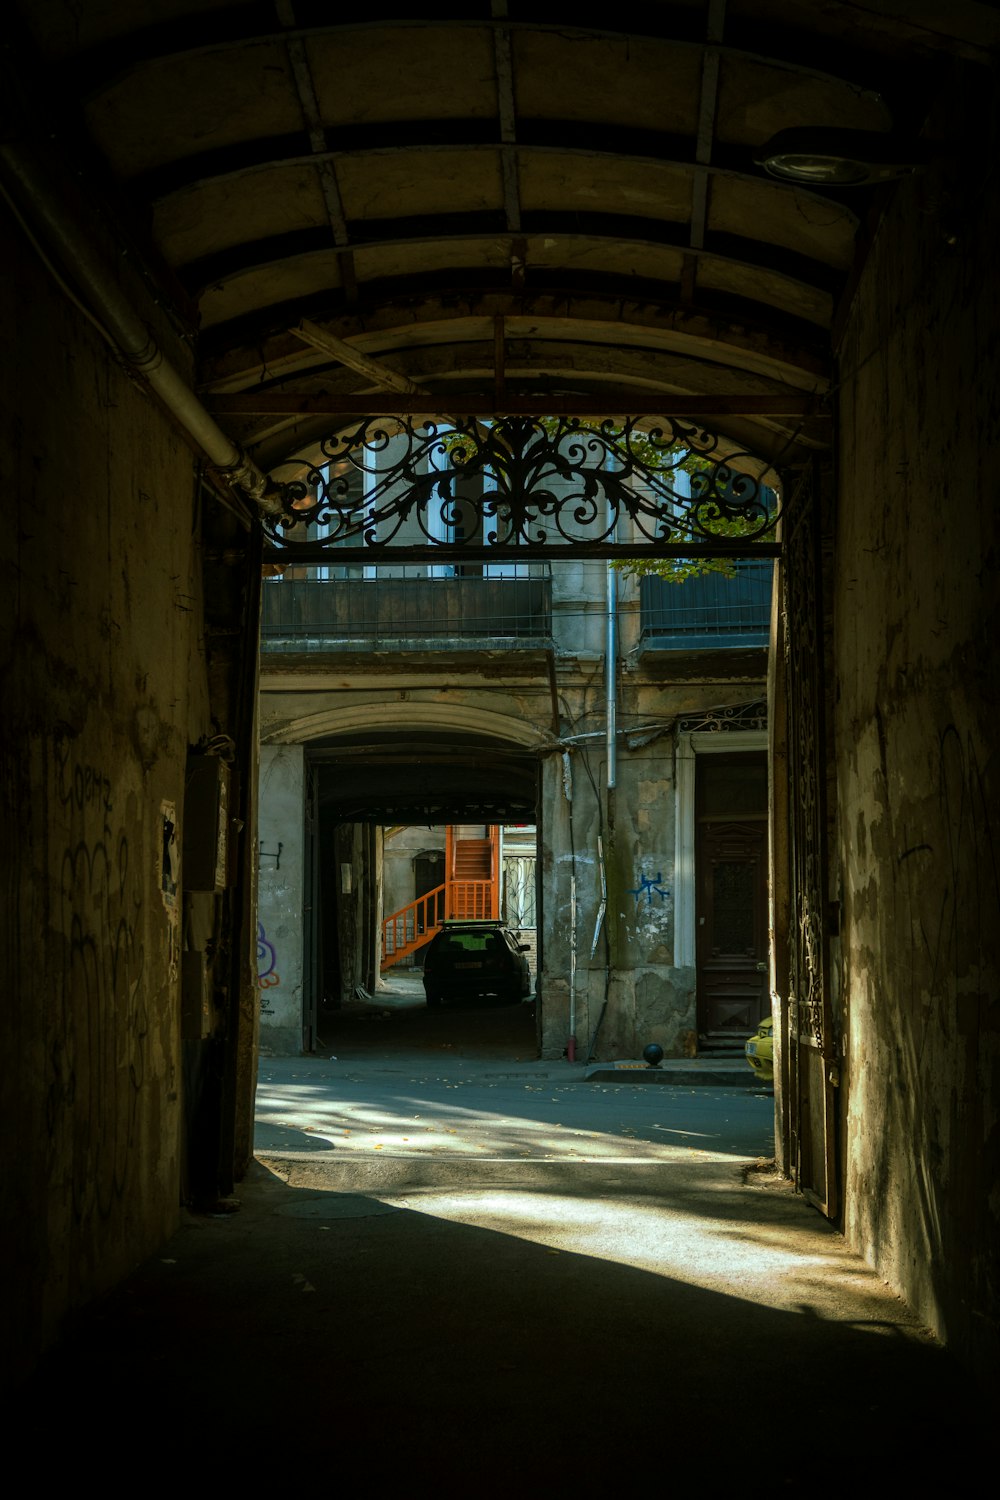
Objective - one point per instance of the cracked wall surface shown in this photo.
(916, 690)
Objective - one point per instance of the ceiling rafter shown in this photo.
(324, 159)
(243, 259)
(507, 113)
(408, 137)
(701, 183)
(723, 315)
(571, 139)
(354, 359)
(457, 357)
(788, 48)
(778, 345)
(419, 403)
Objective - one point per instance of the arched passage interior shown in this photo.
(569, 206)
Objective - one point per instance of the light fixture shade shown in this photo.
(824, 156)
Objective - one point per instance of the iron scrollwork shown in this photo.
(524, 484)
(805, 742)
(739, 716)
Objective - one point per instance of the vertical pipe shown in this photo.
(611, 674)
(571, 1040)
(69, 252)
(568, 793)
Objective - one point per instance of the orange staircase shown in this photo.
(412, 926)
(470, 893)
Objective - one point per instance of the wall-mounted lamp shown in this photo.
(828, 157)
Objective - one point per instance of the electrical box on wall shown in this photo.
(206, 823)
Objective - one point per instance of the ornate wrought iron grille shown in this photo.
(521, 487)
(729, 717)
(812, 1056)
(805, 752)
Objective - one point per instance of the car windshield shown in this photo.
(469, 942)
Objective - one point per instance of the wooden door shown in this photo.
(731, 860)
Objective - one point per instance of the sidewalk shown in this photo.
(390, 1030)
(545, 1330)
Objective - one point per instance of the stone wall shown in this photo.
(916, 702)
(104, 688)
(280, 897)
(631, 965)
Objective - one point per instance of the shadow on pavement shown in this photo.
(335, 1337)
(400, 1023)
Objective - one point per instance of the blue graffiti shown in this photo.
(649, 887)
(266, 960)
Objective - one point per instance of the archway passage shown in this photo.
(273, 222)
(380, 808)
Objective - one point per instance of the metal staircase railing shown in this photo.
(471, 900)
(413, 925)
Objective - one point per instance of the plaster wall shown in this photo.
(104, 687)
(916, 694)
(281, 896)
(400, 851)
(631, 963)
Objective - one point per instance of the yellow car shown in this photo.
(760, 1049)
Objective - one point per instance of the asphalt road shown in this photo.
(323, 1106)
(454, 1272)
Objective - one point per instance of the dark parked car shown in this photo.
(468, 959)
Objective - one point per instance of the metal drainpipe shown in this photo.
(611, 678)
(568, 792)
(58, 234)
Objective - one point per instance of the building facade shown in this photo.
(647, 930)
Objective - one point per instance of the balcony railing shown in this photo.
(707, 613)
(302, 614)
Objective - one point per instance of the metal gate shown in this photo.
(812, 1071)
(460, 492)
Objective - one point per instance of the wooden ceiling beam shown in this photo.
(326, 170)
(587, 308)
(631, 146)
(791, 47)
(624, 400)
(617, 229)
(507, 115)
(355, 359)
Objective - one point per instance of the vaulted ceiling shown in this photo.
(493, 197)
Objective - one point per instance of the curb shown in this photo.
(694, 1075)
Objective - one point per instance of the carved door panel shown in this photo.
(731, 860)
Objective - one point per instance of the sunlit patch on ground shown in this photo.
(415, 1125)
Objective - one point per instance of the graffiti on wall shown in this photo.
(99, 1052)
(652, 909)
(649, 886)
(267, 971)
(170, 876)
